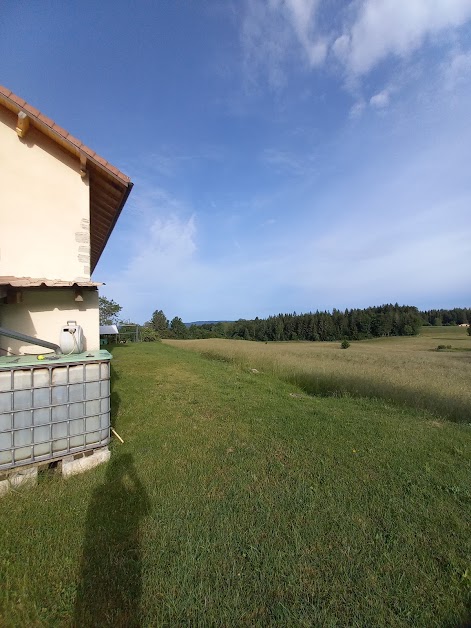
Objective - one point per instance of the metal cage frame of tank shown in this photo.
(48, 411)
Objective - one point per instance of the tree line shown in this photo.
(456, 316)
(349, 324)
(353, 324)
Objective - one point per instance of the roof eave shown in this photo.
(113, 223)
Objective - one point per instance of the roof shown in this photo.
(109, 187)
(30, 282)
(108, 329)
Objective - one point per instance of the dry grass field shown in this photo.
(406, 370)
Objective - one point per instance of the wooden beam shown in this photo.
(100, 235)
(110, 202)
(109, 187)
(99, 219)
(14, 296)
(22, 124)
(83, 165)
(104, 201)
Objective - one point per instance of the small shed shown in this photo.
(108, 333)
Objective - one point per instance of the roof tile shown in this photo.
(88, 151)
(17, 99)
(123, 177)
(73, 140)
(32, 282)
(60, 130)
(113, 170)
(100, 160)
(46, 120)
(32, 110)
(5, 91)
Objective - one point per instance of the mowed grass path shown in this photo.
(238, 500)
(406, 370)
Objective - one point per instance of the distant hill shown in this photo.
(198, 323)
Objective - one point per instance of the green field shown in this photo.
(406, 370)
(239, 499)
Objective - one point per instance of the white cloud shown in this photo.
(275, 31)
(380, 100)
(457, 70)
(265, 41)
(341, 47)
(278, 35)
(158, 268)
(342, 264)
(357, 109)
(172, 238)
(302, 14)
(395, 27)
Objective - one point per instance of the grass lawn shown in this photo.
(237, 499)
(405, 370)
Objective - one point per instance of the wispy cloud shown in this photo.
(457, 70)
(288, 163)
(354, 217)
(357, 109)
(388, 27)
(301, 14)
(380, 100)
(389, 237)
(277, 32)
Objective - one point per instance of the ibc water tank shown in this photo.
(71, 338)
(53, 408)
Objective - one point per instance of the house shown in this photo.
(59, 203)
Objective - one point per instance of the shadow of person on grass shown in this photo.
(110, 585)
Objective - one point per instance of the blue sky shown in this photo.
(287, 155)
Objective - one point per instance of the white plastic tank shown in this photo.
(53, 408)
(71, 338)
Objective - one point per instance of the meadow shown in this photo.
(405, 370)
(238, 499)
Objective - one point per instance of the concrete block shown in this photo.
(4, 487)
(73, 467)
(24, 477)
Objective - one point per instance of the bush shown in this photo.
(149, 335)
(345, 344)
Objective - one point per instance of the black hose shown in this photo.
(10, 333)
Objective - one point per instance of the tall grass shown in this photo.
(236, 500)
(408, 371)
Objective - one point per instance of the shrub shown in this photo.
(345, 344)
(149, 335)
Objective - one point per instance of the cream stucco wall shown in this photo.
(44, 207)
(42, 314)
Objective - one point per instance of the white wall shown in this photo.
(43, 313)
(44, 207)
